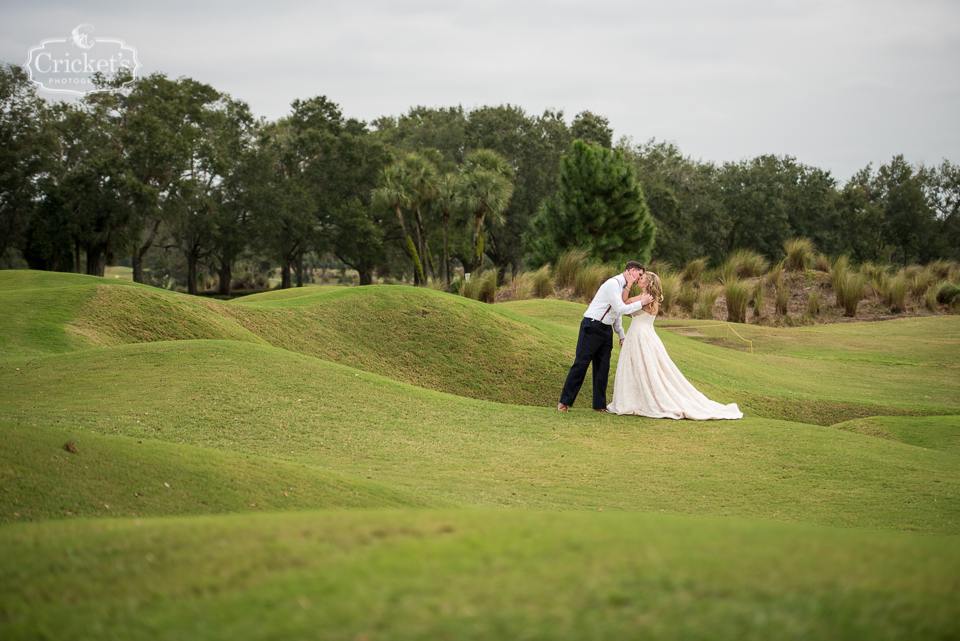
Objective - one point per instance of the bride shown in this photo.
(647, 382)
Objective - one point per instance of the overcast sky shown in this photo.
(835, 84)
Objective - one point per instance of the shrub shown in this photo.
(671, 291)
(849, 292)
(707, 301)
(757, 298)
(948, 294)
(737, 294)
(813, 304)
(691, 273)
(542, 282)
(931, 298)
(568, 266)
(773, 276)
(687, 297)
(589, 279)
(798, 250)
(782, 297)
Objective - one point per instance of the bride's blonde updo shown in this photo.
(654, 288)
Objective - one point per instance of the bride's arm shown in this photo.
(635, 299)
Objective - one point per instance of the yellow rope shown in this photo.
(727, 325)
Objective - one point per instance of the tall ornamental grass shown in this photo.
(850, 289)
(775, 274)
(798, 251)
(687, 297)
(481, 286)
(941, 269)
(838, 270)
(823, 263)
(671, 291)
(706, 302)
(758, 298)
(813, 304)
(877, 276)
(737, 293)
(694, 269)
(542, 282)
(568, 266)
(921, 282)
(895, 293)
(744, 263)
(781, 295)
(589, 279)
(522, 286)
(931, 298)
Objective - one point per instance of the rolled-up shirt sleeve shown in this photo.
(613, 293)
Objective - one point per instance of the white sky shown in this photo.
(837, 84)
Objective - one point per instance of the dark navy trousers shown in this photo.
(594, 346)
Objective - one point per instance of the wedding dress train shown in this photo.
(649, 384)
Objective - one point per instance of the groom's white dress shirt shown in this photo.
(608, 306)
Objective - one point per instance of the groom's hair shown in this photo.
(634, 265)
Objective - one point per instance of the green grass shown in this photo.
(304, 410)
(832, 510)
(473, 575)
(116, 476)
(941, 433)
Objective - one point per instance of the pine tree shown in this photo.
(599, 207)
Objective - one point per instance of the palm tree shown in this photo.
(419, 182)
(487, 189)
(392, 193)
(449, 201)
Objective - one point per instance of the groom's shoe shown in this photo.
(602, 409)
(561, 407)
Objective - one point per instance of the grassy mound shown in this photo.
(941, 433)
(117, 476)
(473, 575)
(254, 399)
(426, 338)
(55, 313)
(516, 353)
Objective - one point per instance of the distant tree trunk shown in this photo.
(226, 276)
(446, 256)
(478, 249)
(76, 258)
(136, 256)
(366, 276)
(192, 275)
(298, 268)
(424, 245)
(285, 275)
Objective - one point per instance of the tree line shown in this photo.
(176, 168)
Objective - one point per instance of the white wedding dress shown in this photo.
(649, 384)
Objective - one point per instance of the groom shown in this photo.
(595, 341)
